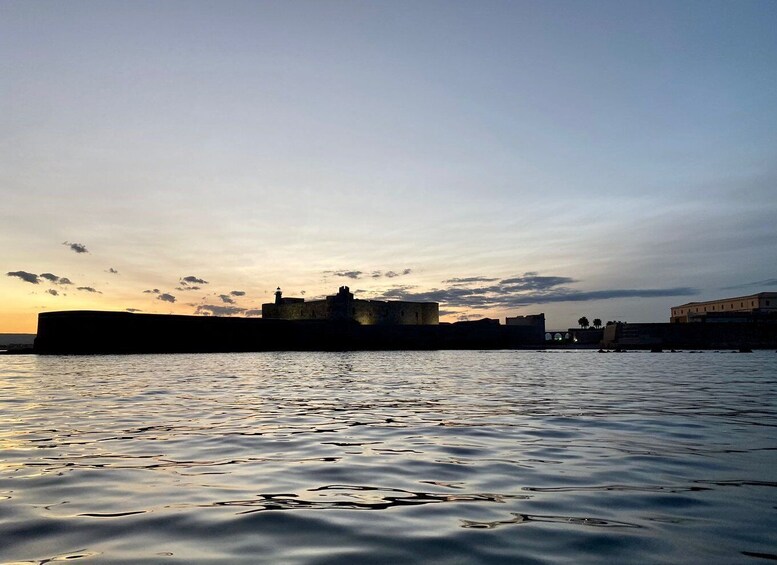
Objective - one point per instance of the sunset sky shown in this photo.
(607, 159)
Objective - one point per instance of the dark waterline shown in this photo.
(386, 457)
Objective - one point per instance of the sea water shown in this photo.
(389, 457)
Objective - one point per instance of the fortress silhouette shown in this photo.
(343, 306)
(336, 323)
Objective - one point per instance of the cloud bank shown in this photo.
(527, 289)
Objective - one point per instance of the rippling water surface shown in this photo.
(390, 457)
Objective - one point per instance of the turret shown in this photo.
(278, 295)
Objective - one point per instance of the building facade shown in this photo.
(741, 308)
(343, 306)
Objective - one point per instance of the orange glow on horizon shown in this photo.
(18, 323)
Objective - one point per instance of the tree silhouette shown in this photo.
(583, 322)
(597, 323)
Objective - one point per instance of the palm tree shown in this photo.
(597, 323)
(583, 322)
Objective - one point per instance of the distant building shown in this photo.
(738, 309)
(343, 306)
(529, 320)
(586, 336)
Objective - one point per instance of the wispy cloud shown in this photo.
(185, 288)
(390, 274)
(763, 283)
(253, 313)
(226, 299)
(112, 271)
(218, 310)
(348, 274)
(191, 279)
(165, 297)
(89, 289)
(133, 310)
(52, 292)
(55, 279)
(469, 280)
(614, 293)
(356, 274)
(77, 247)
(31, 278)
(242, 293)
(151, 291)
(533, 281)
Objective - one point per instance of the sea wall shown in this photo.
(692, 335)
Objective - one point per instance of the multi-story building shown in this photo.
(741, 308)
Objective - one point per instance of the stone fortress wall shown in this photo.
(343, 306)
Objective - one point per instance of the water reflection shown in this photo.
(206, 458)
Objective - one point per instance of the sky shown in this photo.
(599, 159)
